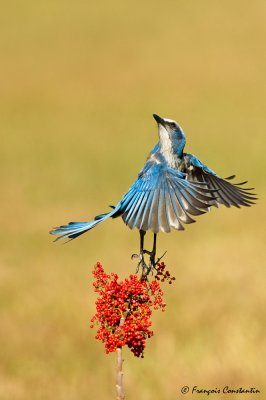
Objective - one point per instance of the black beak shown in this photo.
(158, 119)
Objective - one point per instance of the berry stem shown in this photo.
(120, 393)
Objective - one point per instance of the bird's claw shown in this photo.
(146, 268)
(152, 262)
(141, 262)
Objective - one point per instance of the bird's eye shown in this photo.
(172, 124)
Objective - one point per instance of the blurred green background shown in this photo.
(79, 82)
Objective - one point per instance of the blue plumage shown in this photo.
(171, 187)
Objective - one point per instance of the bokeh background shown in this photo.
(79, 82)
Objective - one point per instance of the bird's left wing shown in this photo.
(161, 198)
(229, 194)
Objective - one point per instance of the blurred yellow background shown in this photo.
(79, 82)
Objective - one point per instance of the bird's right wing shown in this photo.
(227, 193)
(161, 198)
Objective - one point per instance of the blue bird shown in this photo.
(172, 187)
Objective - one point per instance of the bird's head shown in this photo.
(171, 134)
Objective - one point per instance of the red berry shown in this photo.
(133, 299)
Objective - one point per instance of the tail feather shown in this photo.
(75, 229)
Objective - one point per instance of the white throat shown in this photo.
(166, 147)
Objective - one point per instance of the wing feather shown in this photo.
(162, 210)
(162, 199)
(227, 193)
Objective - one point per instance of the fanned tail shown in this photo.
(74, 229)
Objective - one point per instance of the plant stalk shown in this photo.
(120, 393)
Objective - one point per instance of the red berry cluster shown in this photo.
(124, 309)
(162, 275)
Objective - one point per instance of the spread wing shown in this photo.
(227, 193)
(161, 198)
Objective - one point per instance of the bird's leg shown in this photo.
(153, 252)
(144, 266)
(153, 262)
(141, 253)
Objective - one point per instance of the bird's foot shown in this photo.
(141, 262)
(146, 268)
(152, 261)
